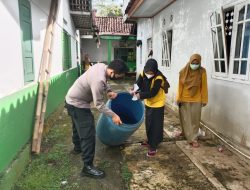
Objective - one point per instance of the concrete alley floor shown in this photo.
(176, 165)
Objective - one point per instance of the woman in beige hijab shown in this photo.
(192, 95)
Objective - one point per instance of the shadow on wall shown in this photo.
(17, 113)
(16, 123)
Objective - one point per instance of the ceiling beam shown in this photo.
(135, 6)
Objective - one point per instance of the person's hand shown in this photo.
(112, 95)
(137, 96)
(178, 103)
(117, 120)
(203, 104)
(131, 91)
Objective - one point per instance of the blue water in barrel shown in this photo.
(132, 115)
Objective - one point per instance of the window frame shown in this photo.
(66, 50)
(148, 46)
(167, 51)
(27, 53)
(221, 25)
(229, 76)
(239, 76)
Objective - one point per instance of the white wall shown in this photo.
(40, 12)
(228, 108)
(144, 31)
(96, 54)
(39, 15)
(70, 28)
(11, 74)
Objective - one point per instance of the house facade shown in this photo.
(22, 39)
(219, 30)
(113, 39)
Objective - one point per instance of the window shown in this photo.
(128, 55)
(241, 35)
(231, 37)
(66, 41)
(149, 48)
(166, 48)
(220, 60)
(140, 54)
(131, 55)
(26, 36)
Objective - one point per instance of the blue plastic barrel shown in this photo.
(131, 113)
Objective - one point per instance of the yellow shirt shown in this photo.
(201, 95)
(160, 98)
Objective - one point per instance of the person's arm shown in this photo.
(204, 91)
(139, 81)
(155, 89)
(98, 88)
(108, 88)
(110, 93)
(179, 92)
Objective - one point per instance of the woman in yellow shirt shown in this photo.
(192, 95)
(151, 82)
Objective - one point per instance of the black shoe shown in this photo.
(75, 151)
(91, 171)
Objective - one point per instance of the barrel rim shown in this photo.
(127, 125)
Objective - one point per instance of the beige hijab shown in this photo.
(192, 78)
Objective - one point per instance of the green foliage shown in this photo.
(126, 175)
(109, 10)
(55, 168)
(43, 175)
(104, 164)
(50, 168)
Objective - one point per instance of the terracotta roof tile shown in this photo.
(114, 26)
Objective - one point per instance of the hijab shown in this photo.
(151, 65)
(192, 78)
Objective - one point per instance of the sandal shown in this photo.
(151, 153)
(145, 144)
(194, 144)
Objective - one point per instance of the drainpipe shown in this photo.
(231, 146)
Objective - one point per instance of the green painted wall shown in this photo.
(59, 86)
(17, 167)
(16, 122)
(17, 114)
(109, 50)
